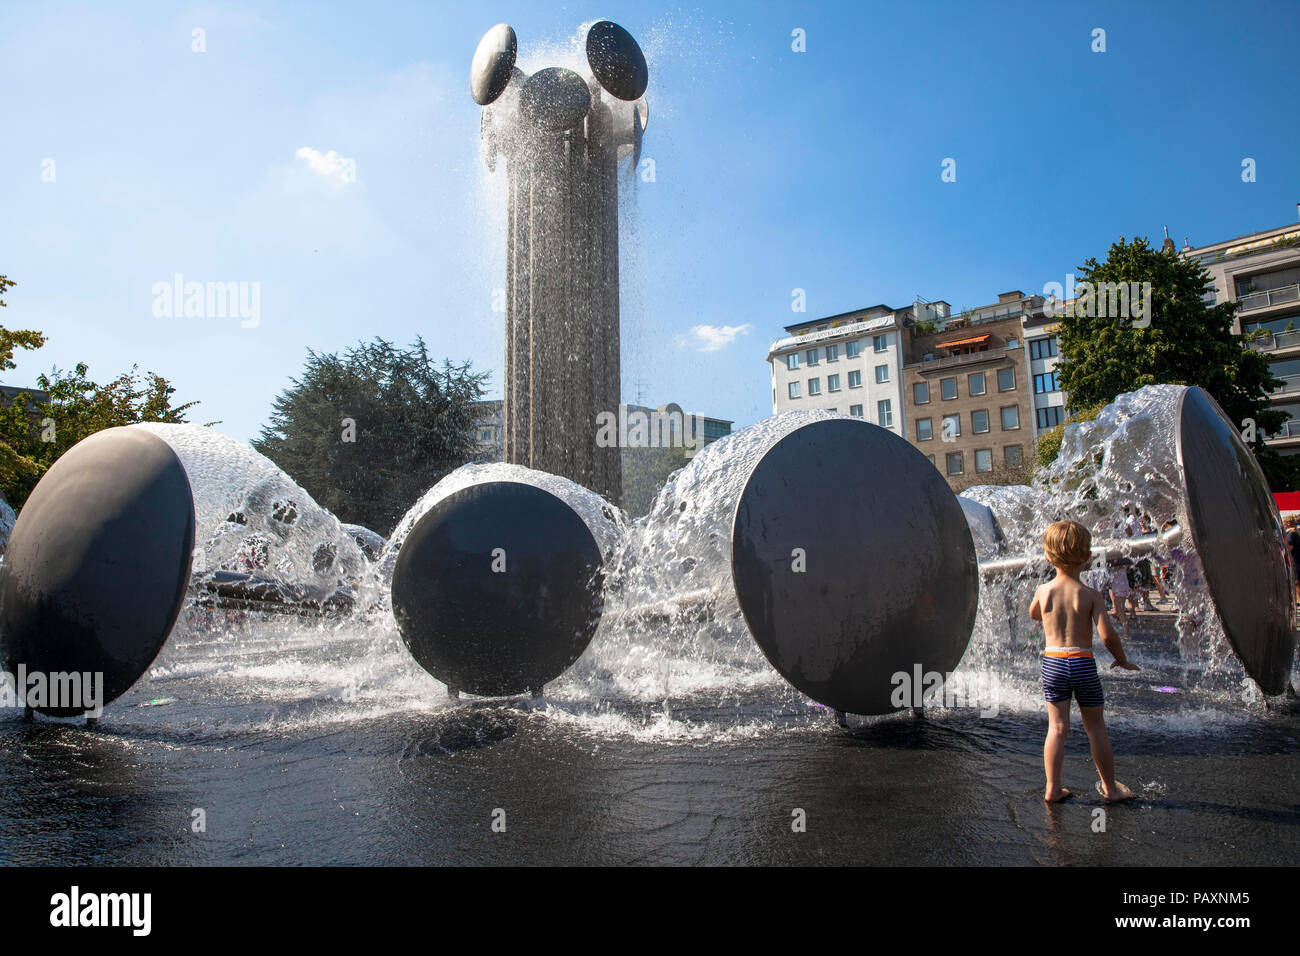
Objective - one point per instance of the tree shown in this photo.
(1180, 341)
(33, 434)
(367, 432)
(39, 432)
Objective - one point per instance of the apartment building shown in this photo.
(967, 390)
(1042, 351)
(849, 363)
(1260, 272)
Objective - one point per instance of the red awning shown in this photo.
(1287, 500)
(974, 340)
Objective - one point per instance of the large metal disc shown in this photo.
(555, 99)
(493, 65)
(1237, 532)
(496, 589)
(889, 580)
(616, 60)
(99, 561)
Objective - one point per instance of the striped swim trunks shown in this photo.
(1071, 671)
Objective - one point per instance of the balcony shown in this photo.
(973, 358)
(1262, 300)
(1290, 383)
(1275, 340)
(1290, 430)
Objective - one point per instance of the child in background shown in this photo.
(1068, 610)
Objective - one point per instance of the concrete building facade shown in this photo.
(850, 363)
(1260, 272)
(967, 392)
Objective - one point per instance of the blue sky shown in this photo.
(774, 170)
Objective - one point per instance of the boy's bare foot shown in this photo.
(1060, 796)
(1118, 795)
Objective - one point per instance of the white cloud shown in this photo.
(711, 338)
(330, 166)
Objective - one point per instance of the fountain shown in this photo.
(562, 135)
(831, 543)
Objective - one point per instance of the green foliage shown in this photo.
(34, 434)
(1048, 445)
(1186, 343)
(37, 433)
(412, 423)
(645, 472)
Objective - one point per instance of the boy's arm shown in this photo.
(1109, 637)
(1036, 608)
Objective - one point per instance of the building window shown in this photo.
(832, 353)
(930, 459)
(954, 463)
(855, 379)
(1006, 379)
(882, 374)
(880, 342)
(1011, 455)
(792, 361)
(851, 350)
(885, 413)
(1043, 348)
(1012, 343)
(948, 388)
(794, 389)
(832, 383)
(1010, 418)
(812, 356)
(951, 427)
(979, 421)
(855, 410)
(1045, 383)
(975, 383)
(921, 393)
(983, 459)
(1051, 416)
(924, 430)
(814, 386)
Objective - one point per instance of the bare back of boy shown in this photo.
(1067, 608)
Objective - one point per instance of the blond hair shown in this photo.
(1067, 544)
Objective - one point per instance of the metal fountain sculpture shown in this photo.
(98, 564)
(562, 136)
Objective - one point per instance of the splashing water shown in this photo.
(673, 660)
(1123, 462)
(251, 517)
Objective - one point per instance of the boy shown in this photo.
(1068, 609)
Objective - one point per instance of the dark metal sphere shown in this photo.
(493, 65)
(488, 631)
(1237, 532)
(555, 99)
(889, 578)
(617, 61)
(99, 561)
